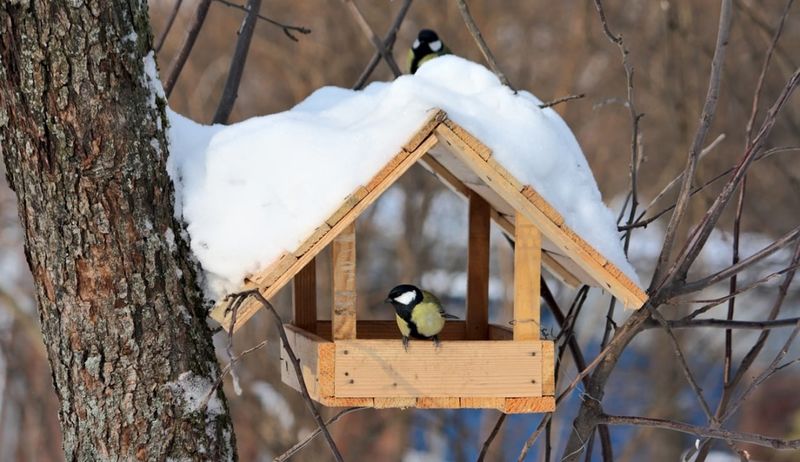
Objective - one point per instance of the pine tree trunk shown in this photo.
(82, 133)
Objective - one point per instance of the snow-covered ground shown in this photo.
(253, 190)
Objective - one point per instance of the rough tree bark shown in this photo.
(82, 133)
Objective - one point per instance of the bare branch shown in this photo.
(703, 230)
(563, 99)
(491, 437)
(317, 431)
(728, 324)
(376, 41)
(726, 435)
(684, 365)
(186, 48)
(295, 365)
(287, 29)
(167, 27)
(742, 265)
(231, 90)
(534, 436)
(469, 21)
(709, 109)
(388, 44)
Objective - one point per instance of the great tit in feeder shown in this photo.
(426, 47)
(418, 312)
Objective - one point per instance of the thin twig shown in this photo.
(376, 41)
(534, 436)
(287, 29)
(707, 281)
(643, 223)
(167, 27)
(186, 48)
(709, 109)
(491, 437)
(702, 231)
(687, 372)
(239, 59)
(296, 366)
(469, 21)
(310, 437)
(563, 99)
(388, 44)
(728, 324)
(726, 435)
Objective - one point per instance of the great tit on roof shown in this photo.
(418, 312)
(426, 47)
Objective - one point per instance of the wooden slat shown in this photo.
(478, 269)
(474, 143)
(548, 369)
(566, 240)
(269, 275)
(441, 402)
(312, 352)
(458, 368)
(331, 401)
(372, 329)
(482, 402)
(529, 405)
(348, 205)
(527, 274)
(434, 118)
(304, 297)
(250, 307)
(500, 332)
(394, 402)
(343, 267)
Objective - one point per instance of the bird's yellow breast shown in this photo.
(428, 318)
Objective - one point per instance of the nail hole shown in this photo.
(346, 374)
(345, 352)
(352, 381)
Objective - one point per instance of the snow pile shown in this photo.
(252, 190)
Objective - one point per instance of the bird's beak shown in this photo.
(388, 300)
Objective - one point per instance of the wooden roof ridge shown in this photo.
(437, 128)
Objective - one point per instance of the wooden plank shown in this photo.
(394, 402)
(482, 402)
(500, 332)
(387, 170)
(348, 205)
(558, 270)
(372, 329)
(561, 237)
(434, 119)
(220, 314)
(527, 274)
(478, 269)
(474, 143)
(308, 348)
(343, 267)
(441, 402)
(458, 368)
(304, 297)
(312, 239)
(331, 401)
(548, 210)
(548, 368)
(529, 405)
(268, 277)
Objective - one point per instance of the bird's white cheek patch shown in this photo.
(436, 46)
(416, 44)
(406, 298)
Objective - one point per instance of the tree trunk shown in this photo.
(82, 133)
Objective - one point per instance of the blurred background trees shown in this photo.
(417, 231)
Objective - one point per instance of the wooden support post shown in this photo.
(527, 274)
(304, 297)
(343, 313)
(478, 269)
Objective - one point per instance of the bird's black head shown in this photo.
(404, 296)
(427, 42)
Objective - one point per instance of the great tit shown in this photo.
(427, 46)
(418, 312)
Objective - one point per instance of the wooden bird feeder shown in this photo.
(346, 362)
